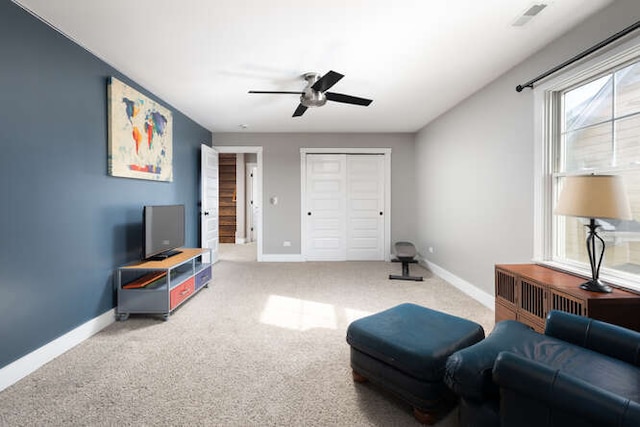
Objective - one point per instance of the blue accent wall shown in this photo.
(65, 225)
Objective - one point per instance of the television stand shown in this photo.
(160, 287)
(164, 255)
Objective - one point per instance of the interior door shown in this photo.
(365, 207)
(209, 210)
(325, 206)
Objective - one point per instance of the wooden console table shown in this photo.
(527, 292)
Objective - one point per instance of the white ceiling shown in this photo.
(414, 58)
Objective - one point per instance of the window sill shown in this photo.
(615, 280)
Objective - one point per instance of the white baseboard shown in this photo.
(240, 240)
(474, 292)
(282, 258)
(15, 371)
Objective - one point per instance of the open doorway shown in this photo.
(240, 201)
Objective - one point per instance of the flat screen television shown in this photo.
(163, 228)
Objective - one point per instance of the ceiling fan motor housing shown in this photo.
(311, 97)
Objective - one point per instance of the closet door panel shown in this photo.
(326, 207)
(365, 207)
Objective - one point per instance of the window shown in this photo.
(592, 125)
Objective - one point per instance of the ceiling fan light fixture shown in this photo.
(312, 98)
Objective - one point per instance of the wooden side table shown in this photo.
(527, 292)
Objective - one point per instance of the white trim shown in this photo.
(387, 189)
(474, 292)
(15, 371)
(345, 150)
(239, 148)
(282, 258)
(257, 150)
(248, 232)
(543, 182)
(303, 195)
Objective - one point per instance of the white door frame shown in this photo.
(258, 151)
(387, 189)
(250, 181)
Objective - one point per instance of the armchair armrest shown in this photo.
(468, 371)
(604, 338)
(533, 394)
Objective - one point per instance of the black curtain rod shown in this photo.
(578, 57)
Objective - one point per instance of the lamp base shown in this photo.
(596, 286)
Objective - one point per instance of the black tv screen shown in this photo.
(163, 231)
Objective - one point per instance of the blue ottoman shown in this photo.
(405, 348)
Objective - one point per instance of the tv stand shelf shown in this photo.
(160, 287)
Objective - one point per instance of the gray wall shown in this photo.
(281, 175)
(475, 163)
(64, 224)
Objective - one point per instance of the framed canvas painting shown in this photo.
(140, 135)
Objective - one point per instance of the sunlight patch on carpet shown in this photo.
(353, 314)
(298, 314)
(302, 315)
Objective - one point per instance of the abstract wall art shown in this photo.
(140, 135)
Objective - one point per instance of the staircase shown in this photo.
(227, 197)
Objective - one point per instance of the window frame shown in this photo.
(547, 111)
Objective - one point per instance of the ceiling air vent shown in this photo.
(529, 14)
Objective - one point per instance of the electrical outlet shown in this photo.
(286, 243)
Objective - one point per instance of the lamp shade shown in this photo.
(594, 196)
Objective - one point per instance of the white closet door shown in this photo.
(326, 210)
(365, 207)
(344, 215)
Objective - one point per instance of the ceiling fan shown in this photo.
(316, 95)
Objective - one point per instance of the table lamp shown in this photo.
(594, 196)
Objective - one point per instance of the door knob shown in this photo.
(309, 213)
(206, 213)
(380, 212)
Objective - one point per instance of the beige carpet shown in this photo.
(264, 345)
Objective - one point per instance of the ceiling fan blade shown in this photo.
(347, 99)
(299, 111)
(325, 82)
(275, 92)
